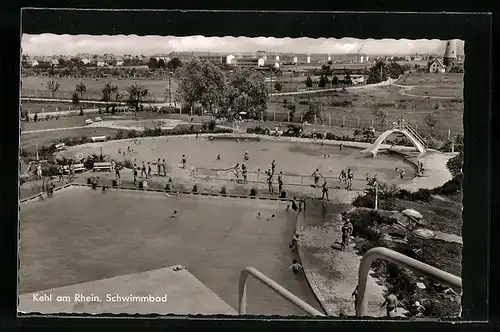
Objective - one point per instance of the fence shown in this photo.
(288, 179)
(423, 269)
(274, 286)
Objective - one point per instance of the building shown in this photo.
(357, 79)
(210, 57)
(33, 63)
(318, 58)
(101, 63)
(437, 66)
(54, 62)
(86, 61)
(245, 62)
(119, 62)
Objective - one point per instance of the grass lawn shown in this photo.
(35, 87)
(440, 215)
(29, 141)
(436, 91)
(434, 79)
(34, 107)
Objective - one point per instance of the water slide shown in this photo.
(414, 140)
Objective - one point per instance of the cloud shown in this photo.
(49, 44)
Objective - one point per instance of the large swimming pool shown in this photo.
(81, 235)
(291, 158)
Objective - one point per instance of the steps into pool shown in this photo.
(163, 291)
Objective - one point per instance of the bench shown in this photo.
(98, 139)
(76, 168)
(88, 121)
(102, 166)
(60, 146)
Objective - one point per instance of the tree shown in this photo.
(323, 81)
(292, 108)
(278, 86)
(81, 88)
(245, 91)
(347, 79)
(161, 63)
(309, 82)
(313, 112)
(335, 80)
(202, 83)
(174, 64)
(136, 95)
(152, 63)
(107, 93)
(75, 98)
(377, 73)
(431, 120)
(53, 86)
(381, 116)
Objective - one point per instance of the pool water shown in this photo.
(81, 235)
(291, 158)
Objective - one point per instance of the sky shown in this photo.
(50, 44)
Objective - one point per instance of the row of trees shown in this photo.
(111, 95)
(173, 64)
(223, 94)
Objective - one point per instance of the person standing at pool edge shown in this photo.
(316, 176)
(143, 170)
(183, 161)
(350, 176)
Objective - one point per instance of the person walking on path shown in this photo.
(184, 161)
(391, 303)
(158, 167)
(143, 170)
(270, 182)
(346, 233)
(164, 167)
(149, 169)
(350, 176)
(324, 190)
(280, 183)
(355, 294)
(296, 267)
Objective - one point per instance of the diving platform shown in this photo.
(164, 291)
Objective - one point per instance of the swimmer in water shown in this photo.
(287, 208)
(246, 155)
(218, 156)
(259, 216)
(271, 217)
(174, 214)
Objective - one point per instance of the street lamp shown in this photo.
(375, 184)
(169, 90)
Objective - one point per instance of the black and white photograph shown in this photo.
(241, 176)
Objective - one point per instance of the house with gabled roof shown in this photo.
(437, 66)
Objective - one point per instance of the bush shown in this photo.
(451, 187)
(258, 130)
(454, 164)
(253, 192)
(51, 170)
(223, 190)
(211, 125)
(125, 164)
(195, 188)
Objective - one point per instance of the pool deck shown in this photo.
(185, 295)
(331, 273)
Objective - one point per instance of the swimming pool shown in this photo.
(81, 235)
(290, 157)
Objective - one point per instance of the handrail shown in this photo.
(415, 133)
(392, 256)
(273, 285)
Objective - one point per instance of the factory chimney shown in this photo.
(450, 53)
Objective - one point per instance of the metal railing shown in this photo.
(261, 177)
(273, 285)
(392, 256)
(415, 134)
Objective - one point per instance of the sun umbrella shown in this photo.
(424, 233)
(412, 213)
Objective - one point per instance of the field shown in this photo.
(36, 107)
(80, 235)
(364, 101)
(29, 141)
(35, 87)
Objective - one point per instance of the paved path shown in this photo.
(178, 292)
(357, 87)
(406, 88)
